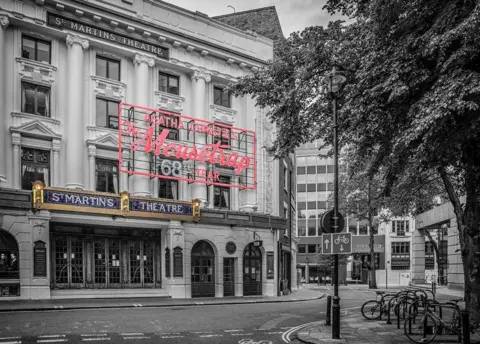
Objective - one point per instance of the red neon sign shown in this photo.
(167, 145)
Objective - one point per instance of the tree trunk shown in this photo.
(467, 224)
(373, 277)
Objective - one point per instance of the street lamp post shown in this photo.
(335, 79)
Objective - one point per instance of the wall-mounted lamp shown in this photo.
(256, 240)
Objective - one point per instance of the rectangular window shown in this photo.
(429, 256)
(321, 187)
(400, 255)
(106, 113)
(35, 166)
(321, 169)
(301, 188)
(168, 189)
(36, 49)
(221, 97)
(311, 248)
(285, 177)
(311, 170)
(400, 227)
(106, 175)
(108, 68)
(168, 83)
(311, 187)
(302, 249)
(222, 194)
(177, 262)
(330, 168)
(300, 170)
(223, 135)
(35, 99)
(173, 133)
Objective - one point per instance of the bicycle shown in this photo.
(374, 309)
(423, 327)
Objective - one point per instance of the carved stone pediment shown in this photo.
(109, 141)
(108, 87)
(169, 102)
(35, 128)
(223, 114)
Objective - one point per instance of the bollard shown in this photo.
(465, 326)
(329, 310)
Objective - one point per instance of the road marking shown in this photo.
(211, 335)
(52, 336)
(274, 322)
(199, 303)
(197, 332)
(51, 340)
(137, 305)
(93, 334)
(136, 337)
(241, 334)
(58, 307)
(131, 334)
(17, 342)
(164, 337)
(93, 338)
(7, 338)
(233, 330)
(277, 332)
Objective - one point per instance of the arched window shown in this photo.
(8, 255)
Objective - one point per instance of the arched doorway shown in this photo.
(252, 271)
(203, 277)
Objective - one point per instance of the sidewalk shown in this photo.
(302, 294)
(355, 329)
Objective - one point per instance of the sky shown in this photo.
(294, 15)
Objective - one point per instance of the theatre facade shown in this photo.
(126, 169)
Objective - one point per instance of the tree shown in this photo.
(412, 99)
(327, 260)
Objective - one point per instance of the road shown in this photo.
(223, 324)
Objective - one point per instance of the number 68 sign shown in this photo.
(171, 168)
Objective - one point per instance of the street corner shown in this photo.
(318, 334)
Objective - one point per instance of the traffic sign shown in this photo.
(328, 222)
(339, 243)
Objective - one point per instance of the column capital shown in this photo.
(56, 145)
(139, 58)
(201, 74)
(16, 139)
(72, 39)
(92, 151)
(4, 22)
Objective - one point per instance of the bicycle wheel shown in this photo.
(372, 310)
(420, 328)
(402, 308)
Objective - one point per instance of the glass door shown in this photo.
(68, 269)
(99, 263)
(228, 277)
(114, 264)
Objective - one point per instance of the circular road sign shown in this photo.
(328, 222)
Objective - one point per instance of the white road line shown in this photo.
(136, 337)
(17, 342)
(211, 335)
(93, 334)
(198, 332)
(241, 334)
(131, 334)
(233, 330)
(277, 332)
(52, 336)
(7, 338)
(94, 338)
(51, 340)
(164, 337)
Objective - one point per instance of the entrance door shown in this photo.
(107, 263)
(228, 277)
(252, 271)
(203, 284)
(69, 262)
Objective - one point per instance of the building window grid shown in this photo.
(35, 166)
(222, 194)
(106, 176)
(168, 83)
(35, 99)
(107, 68)
(36, 49)
(106, 113)
(400, 227)
(400, 255)
(220, 97)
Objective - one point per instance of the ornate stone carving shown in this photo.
(92, 150)
(201, 74)
(76, 39)
(169, 102)
(223, 114)
(36, 71)
(16, 139)
(139, 58)
(56, 145)
(4, 22)
(108, 87)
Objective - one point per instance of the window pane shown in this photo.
(217, 96)
(300, 170)
(101, 67)
(43, 52)
(173, 86)
(311, 248)
(28, 48)
(225, 99)
(101, 113)
(311, 170)
(43, 101)
(114, 70)
(28, 98)
(35, 166)
(101, 182)
(162, 83)
(113, 115)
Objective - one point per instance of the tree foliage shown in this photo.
(410, 106)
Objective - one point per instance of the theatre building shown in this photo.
(126, 168)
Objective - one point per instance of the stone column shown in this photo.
(124, 176)
(199, 81)
(16, 142)
(4, 135)
(75, 116)
(56, 163)
(418, 258)
(92, 153)
(141, 184)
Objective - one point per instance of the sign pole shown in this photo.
(336, 298)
